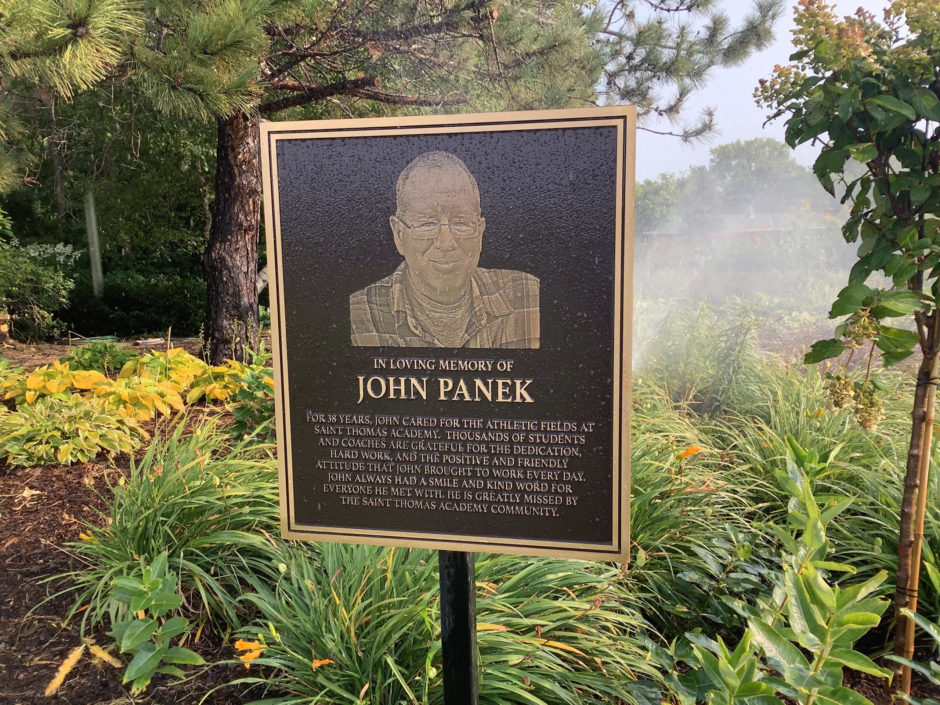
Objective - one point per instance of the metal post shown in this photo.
(458, 628)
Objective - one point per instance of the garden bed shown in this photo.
(41, 509)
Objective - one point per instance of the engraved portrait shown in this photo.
(438, 296)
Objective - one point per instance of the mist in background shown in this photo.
(749, 245)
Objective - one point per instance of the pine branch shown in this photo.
(400, 99)
(309, 94)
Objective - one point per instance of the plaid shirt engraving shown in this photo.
(505, 312)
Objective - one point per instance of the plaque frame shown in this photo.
(616, 545)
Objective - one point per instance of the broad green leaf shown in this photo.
(137, 633)
(929, 627)
(931, 673)
(926, 104)
(709, 664)
(889, 359)
(864, 152)
(894, 104)
(171, 670)
(835, 567)
(177, 654)
(823, 350)
(829, 161)
(819, 589)
(858, 662)
(834, 508)
(895, 340)
(920, 193)
(164, 602)
(783, 656)
(174, 626)
(742, 650)
(850, 299)
(805, 619)
(159, 565)
(900, 302)
(857, 619)
(840, 695)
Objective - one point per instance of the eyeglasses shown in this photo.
(461, 228)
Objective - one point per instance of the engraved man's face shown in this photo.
(439, 231)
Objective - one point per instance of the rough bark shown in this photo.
(915, 479)
(231, 258)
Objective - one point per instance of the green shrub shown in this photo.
(69, 430)
(208, 505)
(695, 546)
(253, 402)
(137, 303)
(35, 282)
(139, 627)
(338, 621)
(107, 358)
(801, 637)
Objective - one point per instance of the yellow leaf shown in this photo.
(484, 627)
(31, 396)
(563, 647)
(175, 400)
(34, 382)
(104, 655)
(194, 394)
(86, 379)
(63, 453)
(67, 665)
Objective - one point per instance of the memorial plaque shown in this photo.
(451, 315)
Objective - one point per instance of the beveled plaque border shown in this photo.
(623, 118)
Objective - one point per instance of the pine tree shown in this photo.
(239, 61)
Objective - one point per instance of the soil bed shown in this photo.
(41, 509)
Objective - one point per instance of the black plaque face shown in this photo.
(451, 309)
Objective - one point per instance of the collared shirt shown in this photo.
(504, 314)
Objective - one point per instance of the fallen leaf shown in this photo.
(67, 665)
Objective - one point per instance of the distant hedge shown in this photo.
(136, 304)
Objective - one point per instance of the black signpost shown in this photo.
(458, 628)
(451, 317)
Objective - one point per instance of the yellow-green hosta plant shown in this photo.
(73, 429)
(175, 365)
(48, 380)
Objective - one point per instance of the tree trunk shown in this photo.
(231, 258)
(912, 502)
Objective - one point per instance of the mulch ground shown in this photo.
(41, 510)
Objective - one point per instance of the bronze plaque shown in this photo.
(451, 315)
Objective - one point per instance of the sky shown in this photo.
(730, 92)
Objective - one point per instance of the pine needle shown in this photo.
(67, 665)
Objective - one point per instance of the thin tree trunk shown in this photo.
(94, 248)
(231, 259)
(912, 503)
